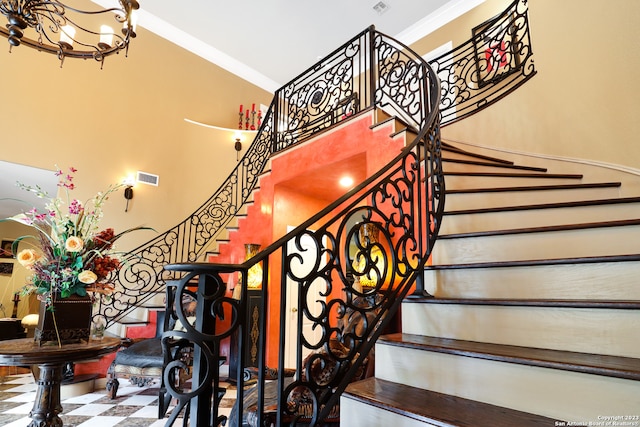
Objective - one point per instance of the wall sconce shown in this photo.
(128, 191)
(238, 144)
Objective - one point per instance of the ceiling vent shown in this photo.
(381, 7)
(147, 178)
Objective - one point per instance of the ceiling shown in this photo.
(268, 43)
(271, 42)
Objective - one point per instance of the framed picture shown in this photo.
(5, 249)
(6, 268)
(496, 49)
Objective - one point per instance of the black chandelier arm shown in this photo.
(46, 18)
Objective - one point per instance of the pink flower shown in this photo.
(75, 207)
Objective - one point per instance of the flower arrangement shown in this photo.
(72, 255)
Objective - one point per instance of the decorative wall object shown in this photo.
(250, 118)
(5, 249)
(6, 268)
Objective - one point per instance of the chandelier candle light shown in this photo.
(56, 27)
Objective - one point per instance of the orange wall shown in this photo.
(278, 205)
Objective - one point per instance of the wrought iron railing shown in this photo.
(352, 263)
(493, 63)
(326, 93)
(336, 87)
(346, 269)
(142, 278)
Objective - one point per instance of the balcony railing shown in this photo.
(494, 62)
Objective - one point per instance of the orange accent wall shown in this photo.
(288, 195)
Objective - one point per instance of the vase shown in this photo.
(67, 321)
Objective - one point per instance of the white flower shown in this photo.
(74, 244)
(87, 277)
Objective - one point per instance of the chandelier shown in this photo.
(67, 31)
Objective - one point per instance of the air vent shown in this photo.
(147, 178)
(381, 7)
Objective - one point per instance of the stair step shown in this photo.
(534, 194)
(550, 228)
(566, 303)
(580, 242)
(597, 278)
(131, 321)
(397, 124)
(553, 327)
(446, 147)
(426, 406)
(583, 186)
(451, 162)
(515, 219)
(613, 201)
(596, 364)
(516, 175)
(572, 386)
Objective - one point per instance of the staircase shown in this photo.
(534, 319)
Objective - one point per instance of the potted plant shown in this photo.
(71, 259)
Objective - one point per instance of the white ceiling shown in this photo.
(268, 43)
(271, 42)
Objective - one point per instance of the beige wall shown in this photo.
(584, 101)
(127, 117)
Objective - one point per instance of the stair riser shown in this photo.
(550, 245)
(157, 300)
(601, 331)
(466, 181)
(536, 218)
(354, 413)
(553, 393)
(598, 281)
(508, 198)
(452, 166)
(590, 172)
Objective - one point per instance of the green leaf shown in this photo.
(77, 263)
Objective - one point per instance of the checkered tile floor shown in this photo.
(133, 407)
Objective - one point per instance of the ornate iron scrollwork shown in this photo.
(349, 282)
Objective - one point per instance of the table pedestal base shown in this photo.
(51, 361)
(47, 404)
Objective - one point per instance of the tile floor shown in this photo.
(133, 407)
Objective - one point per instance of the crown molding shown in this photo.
(437, 19)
